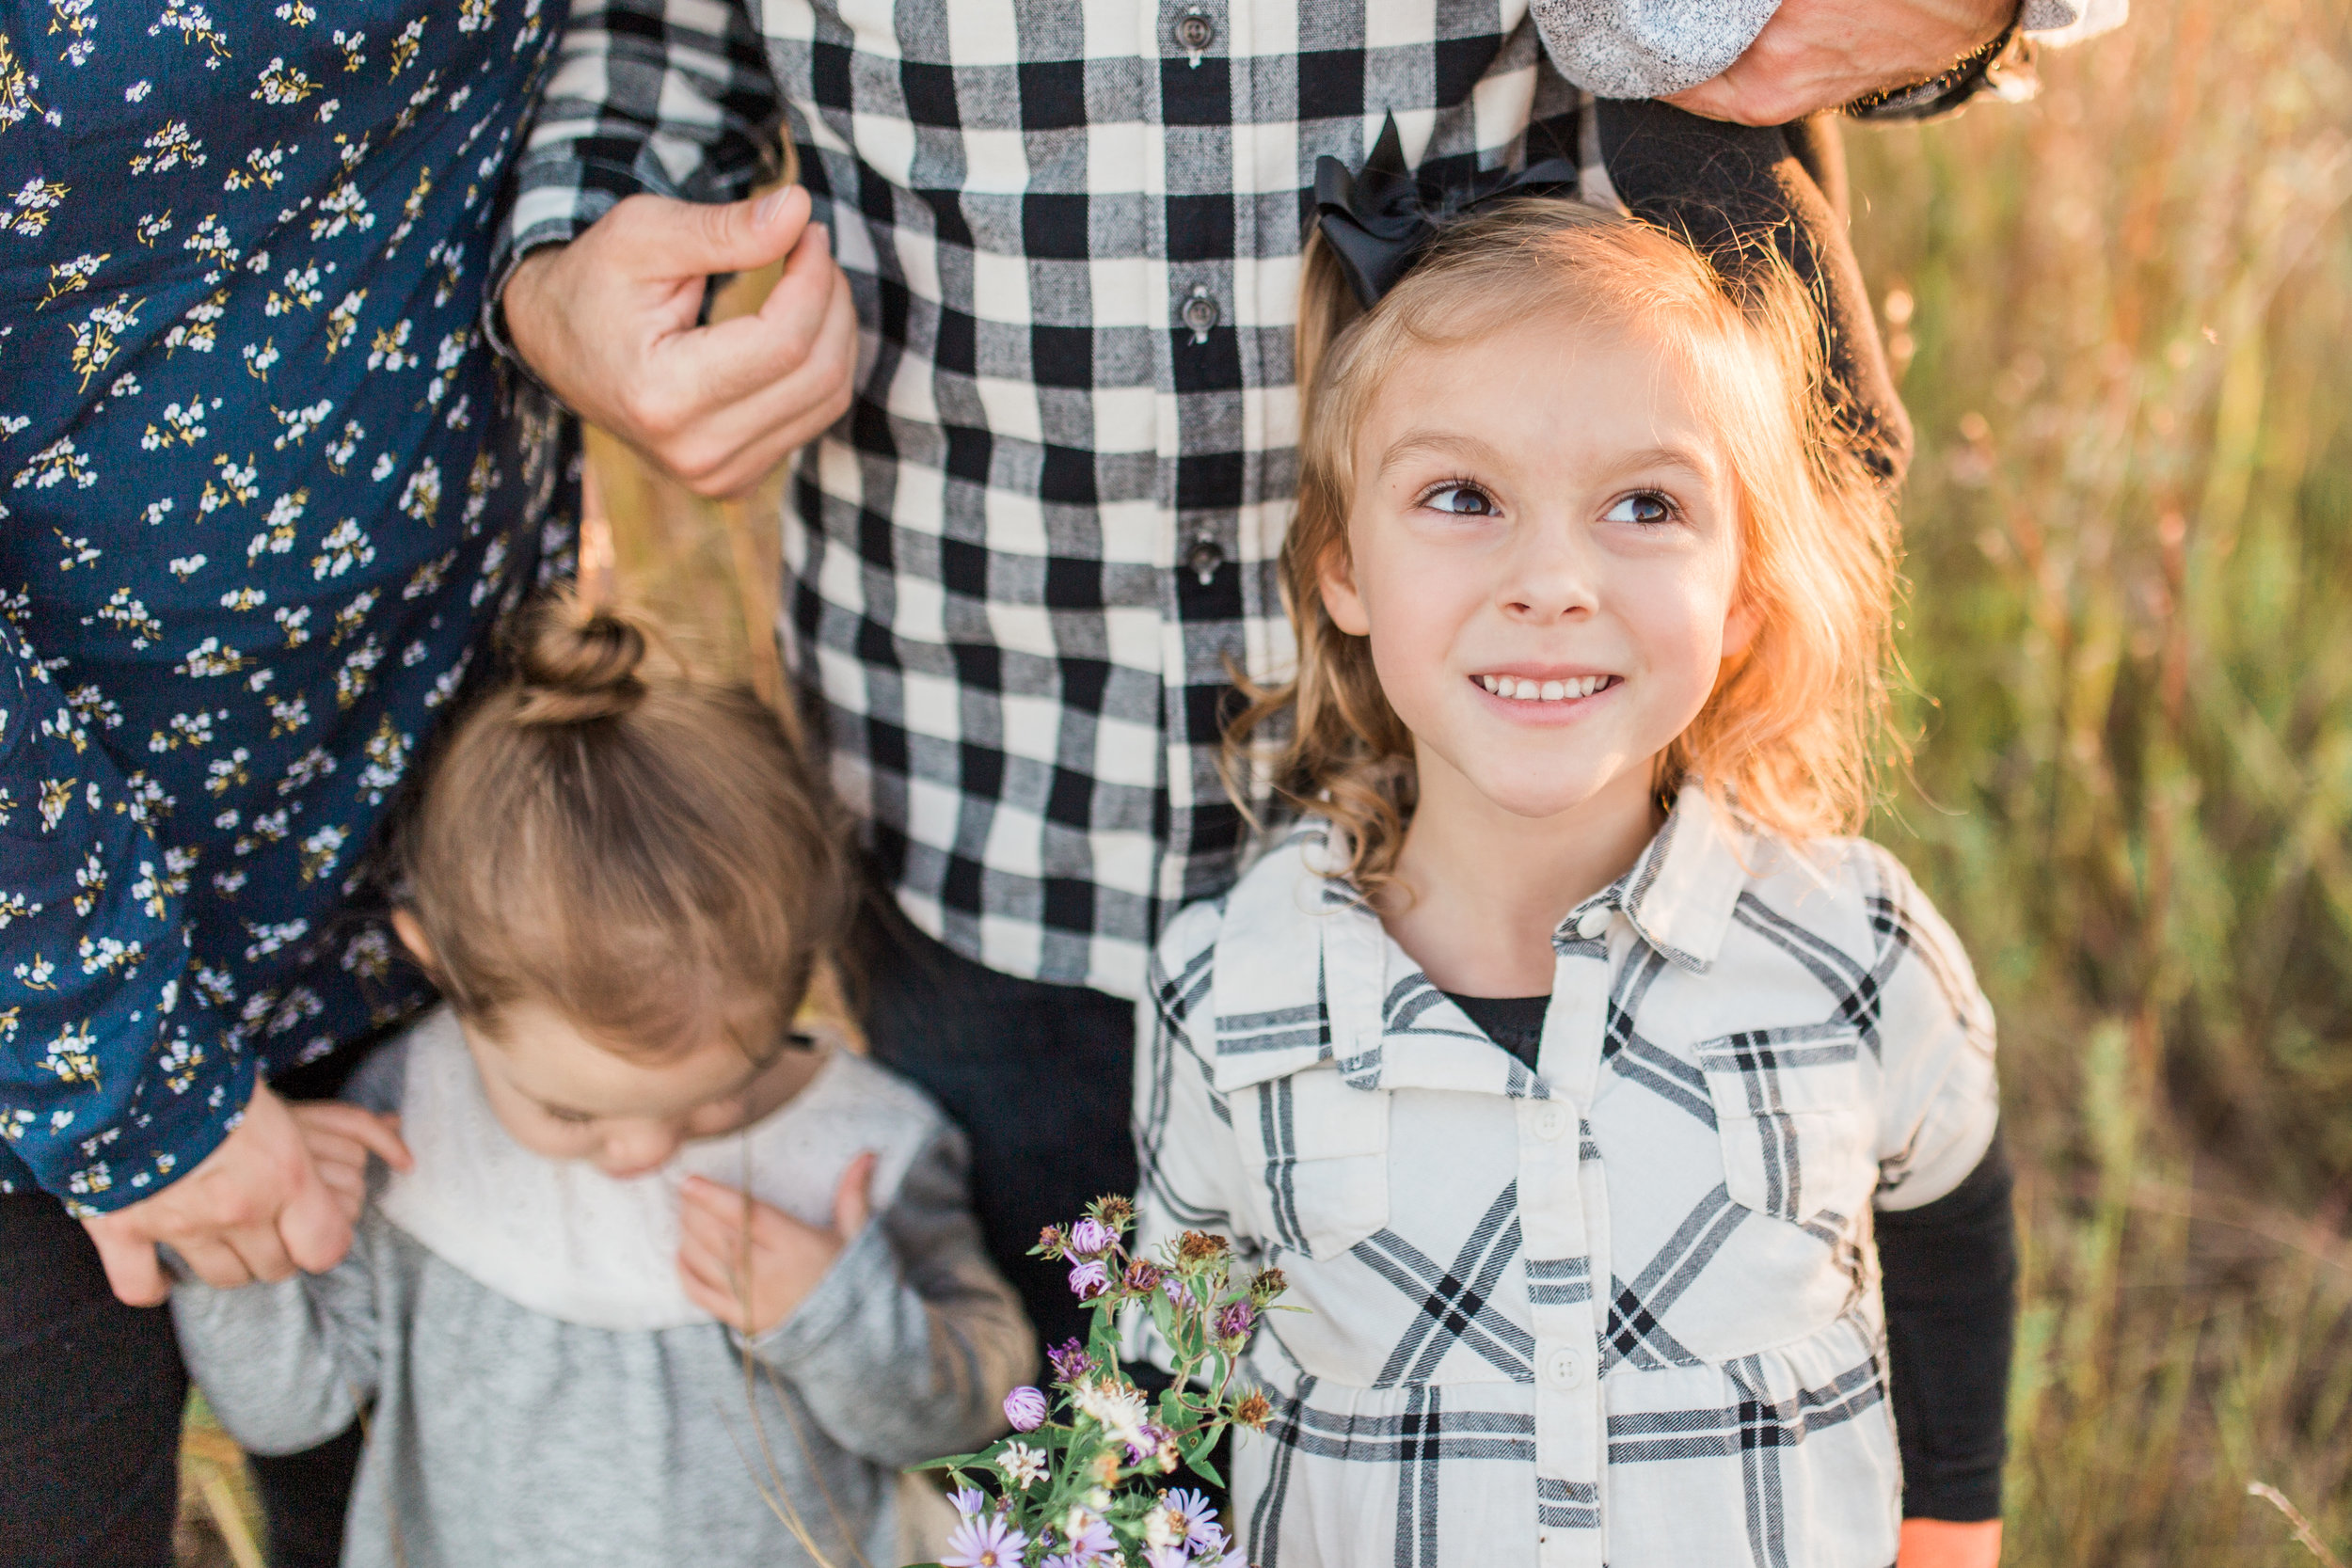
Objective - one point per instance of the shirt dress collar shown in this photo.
(1306, 973)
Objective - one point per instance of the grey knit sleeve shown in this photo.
(286, 1366)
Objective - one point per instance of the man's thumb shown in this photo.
(854, 1203)
(738, 236)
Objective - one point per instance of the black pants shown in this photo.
(91, 1393)
(1035, 1074)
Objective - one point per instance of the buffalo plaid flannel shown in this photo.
(1024, 564)
(1623, 1308)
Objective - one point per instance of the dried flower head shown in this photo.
(1268, 1285)
(1117, 1213)
(1142, 1275)
(1050, 1242)
(1198, 1246)
(1253, 1410)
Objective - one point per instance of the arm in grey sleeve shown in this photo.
(907, 1347)
(1647, 49)
(286, 1366)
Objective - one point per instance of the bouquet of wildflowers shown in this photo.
(1091, 1488)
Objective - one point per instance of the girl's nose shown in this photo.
(1550, 573)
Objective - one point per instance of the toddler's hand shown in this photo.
(749, 1264)
(1943, 1544)
(339, 1138)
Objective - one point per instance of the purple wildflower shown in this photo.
(1178, 1292)
(1070, 1361)
(1142, 1275)
(1166, 1557)
(1234, 1319)
(1026, 1409)
(984, 1542)
(1189, 1511)
(1095, 1544)
(1090, 1236)
(969, 1502)
(1090, 1279)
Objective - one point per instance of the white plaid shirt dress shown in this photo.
(1023, 565)
(1620, 1310)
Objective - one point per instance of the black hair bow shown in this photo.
(1380, 221)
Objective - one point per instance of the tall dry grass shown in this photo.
(2122, 311)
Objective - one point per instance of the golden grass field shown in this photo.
(2122, 314)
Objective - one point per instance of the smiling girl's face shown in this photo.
(1544, 554)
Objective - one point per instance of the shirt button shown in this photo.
(1564, 1367)
(1552, 1122)
(1194, 31)
(1200, 313)
(1203, 560)
(1593, 922)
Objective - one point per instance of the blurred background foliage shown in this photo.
(2121, 315)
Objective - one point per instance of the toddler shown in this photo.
(1571, 1064)
(659, 1279)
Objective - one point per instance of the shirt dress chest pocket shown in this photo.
(1793, 1110)
(1319, 1156)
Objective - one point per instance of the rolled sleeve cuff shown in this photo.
(2064, 22)
(1615, 48)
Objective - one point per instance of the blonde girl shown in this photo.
(662, 1277)
(1574, 1066)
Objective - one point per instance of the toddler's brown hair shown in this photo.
(641, 850)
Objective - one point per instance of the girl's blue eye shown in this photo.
(1461, 501)
(1646, 508)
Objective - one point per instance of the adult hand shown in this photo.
(253, 1209)
(749, 1264)
(608, 322)
(339, 1138)
(1817, 54)
(1943, 1543)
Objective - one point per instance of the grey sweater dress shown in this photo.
(540, 1392)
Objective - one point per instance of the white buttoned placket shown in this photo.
(1563, 1213)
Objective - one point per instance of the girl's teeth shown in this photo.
(1521, 690)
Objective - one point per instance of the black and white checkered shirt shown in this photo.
(1622, 1308)
(1023, 564)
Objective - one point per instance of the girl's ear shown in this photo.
(410, 931)
(1739, 626)
(1340, 599)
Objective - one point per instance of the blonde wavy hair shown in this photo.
(1792, 736)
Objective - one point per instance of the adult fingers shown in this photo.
(310, 1229)
(262, 1250)
(132, 1270)
(213, 1261)
(731, 360)
(853, 1201)
(735, 447)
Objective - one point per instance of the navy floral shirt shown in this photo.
(263, 490)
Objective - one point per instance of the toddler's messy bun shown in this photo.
(577, 662)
